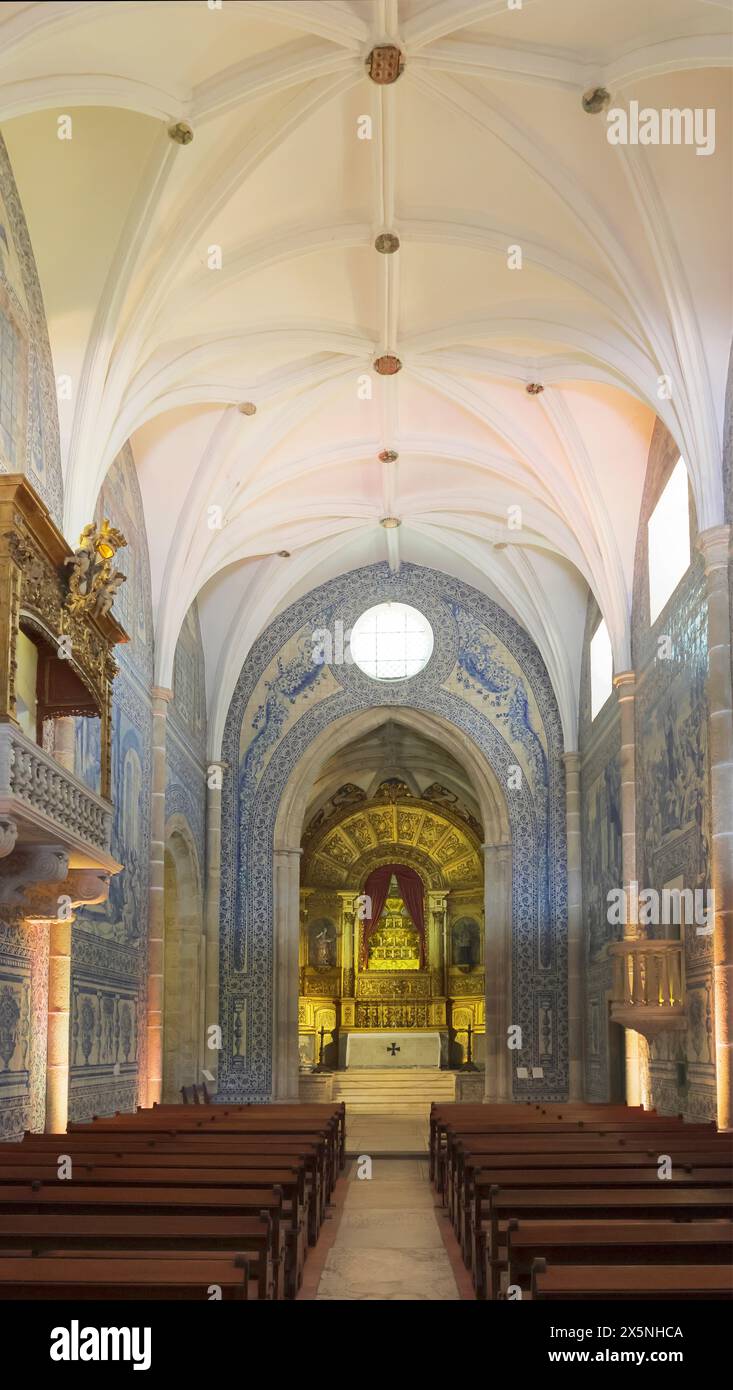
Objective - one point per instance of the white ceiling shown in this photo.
(481, 145)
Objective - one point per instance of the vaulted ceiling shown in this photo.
(182, 281)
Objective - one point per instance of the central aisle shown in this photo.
(388, 1244)
(388, 1240)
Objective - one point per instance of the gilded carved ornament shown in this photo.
(93, 581)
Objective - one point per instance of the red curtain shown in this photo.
(411, 890)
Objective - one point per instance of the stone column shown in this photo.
(498, 969)
(59, 1008)
(346, 927)
(286, 1057)
(625, 684)
(64, 741)
(214, 780)
(714, 545)
(156, 911)
(575, 927)
(436, 932)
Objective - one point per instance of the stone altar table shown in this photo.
(398, 1049)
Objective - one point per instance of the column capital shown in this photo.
(713, 545)
(624, 683)
(161, 692)
(572, 761)
(285, 849)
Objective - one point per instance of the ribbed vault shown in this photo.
(183, 281)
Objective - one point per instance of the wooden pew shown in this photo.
(552, 1150)
(224, 1151)
(286, 1182)
(455, 1158)
(461, 1146)
(488, 1161)
(123, 1278)
(502, 1168)
(581, 1180)
(330, 1114)
(35, 1199)
(638, 1282)
(613, 1242)
(482, 1118)
(662, 1133)
(656, 1130)
(591, 1204)
(179, 1164)
(187, 1121)
(80, 1234)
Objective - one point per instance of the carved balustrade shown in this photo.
(648, 985)
(54, 830)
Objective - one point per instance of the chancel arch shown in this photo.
(486, 697)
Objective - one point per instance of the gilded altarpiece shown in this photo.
(348, 985)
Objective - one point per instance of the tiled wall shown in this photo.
(185, 811)
(29, 443)
(673, 790)
(29, 431)
(109, 942)
(600, 782)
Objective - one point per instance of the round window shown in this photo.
(391, 641)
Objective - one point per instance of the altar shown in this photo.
(398, 1050)
(396, 989)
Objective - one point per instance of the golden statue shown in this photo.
(93, 581)
(395, 944)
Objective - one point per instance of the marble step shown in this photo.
(391, 1092)
(392, 1108)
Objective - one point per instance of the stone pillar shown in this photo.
(625, 684)
(575, 927)
(286, 1057)
(156, 918)
(64, 741)
(498, 969)
(214, 779)
(59, 1008)
(714, 545)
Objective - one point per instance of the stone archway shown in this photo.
(184, 975)
(486, 694)
(348, 838)
(286, 890)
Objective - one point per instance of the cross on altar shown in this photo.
(393, 1049)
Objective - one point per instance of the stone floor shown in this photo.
(386, 1134)
(389, 1240)
(388, 1244)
